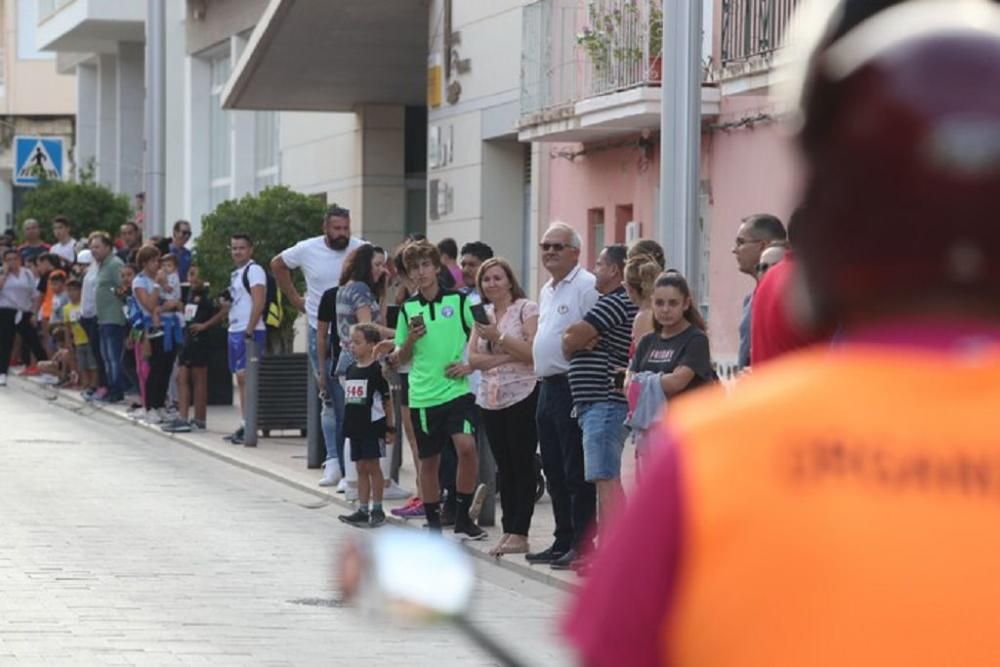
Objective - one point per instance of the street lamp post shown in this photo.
(154, 205)
(680, 134)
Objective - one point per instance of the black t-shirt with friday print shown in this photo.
(662, 355)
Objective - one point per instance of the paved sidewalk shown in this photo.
(283, 459)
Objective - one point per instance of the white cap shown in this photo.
(85, 257)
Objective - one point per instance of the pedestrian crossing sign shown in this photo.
(37, 158)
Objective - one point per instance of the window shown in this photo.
(220, 163)
(265, 150)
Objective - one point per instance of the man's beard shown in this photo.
(338, 243)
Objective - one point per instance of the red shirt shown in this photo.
(772, 331)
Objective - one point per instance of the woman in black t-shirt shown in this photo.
(677, 348)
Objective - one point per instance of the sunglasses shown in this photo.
(558, 247)
(185, 232)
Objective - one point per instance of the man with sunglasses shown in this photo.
(755, 234)
(564, 300)
(178, 248)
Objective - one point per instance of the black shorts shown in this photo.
(369, 447)
(404, 389)
(435, 425)
(195, 354)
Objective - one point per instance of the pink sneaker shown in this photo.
(410, 511)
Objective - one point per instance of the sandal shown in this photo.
(496, 550)
(514, 544)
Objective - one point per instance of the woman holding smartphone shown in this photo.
(508, 394)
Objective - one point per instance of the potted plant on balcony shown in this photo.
(606, 42)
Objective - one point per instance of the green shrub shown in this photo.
(89, 206)
(275, 219)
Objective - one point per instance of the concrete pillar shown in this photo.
(383, 208)
(197, 142)
(107, 120)
(131, 101)
(86, 116)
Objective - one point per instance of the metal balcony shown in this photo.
(753, 33)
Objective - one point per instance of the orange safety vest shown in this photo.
(843, 510)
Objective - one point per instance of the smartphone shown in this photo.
(619, 380)
(391, 316)
(416, 321)
(479, 314)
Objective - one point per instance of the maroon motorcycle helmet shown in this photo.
(900, 129)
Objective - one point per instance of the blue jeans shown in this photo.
(332, 414)
(603, 427)
(112, 346)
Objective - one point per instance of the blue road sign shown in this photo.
(37, 156)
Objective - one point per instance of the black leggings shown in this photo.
(513, 439)
(161, 365)
(30, 342)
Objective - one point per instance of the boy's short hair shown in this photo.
(170, 257)
(74, 283)
(418, 251)
(369, 331)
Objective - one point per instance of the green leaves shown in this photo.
(89, 206)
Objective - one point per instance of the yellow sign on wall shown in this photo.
(435, 81)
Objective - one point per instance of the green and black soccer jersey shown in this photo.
(448, 319)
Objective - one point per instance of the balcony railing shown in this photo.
(47, 8)
(575, 49)
(753, 28)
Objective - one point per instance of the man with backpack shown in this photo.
(247, 301)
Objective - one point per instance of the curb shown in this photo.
(61, 398)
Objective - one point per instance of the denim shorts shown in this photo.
(604, 432)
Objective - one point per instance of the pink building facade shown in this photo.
(601, 166)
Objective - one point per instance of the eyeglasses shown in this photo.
(557, 247)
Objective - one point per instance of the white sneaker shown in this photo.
(331, 473)
(3, 379)
(352, 493)
(342, 485)
(395, 492)
(153, 417)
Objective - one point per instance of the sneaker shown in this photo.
(3, 379)
(154, 332)
(352, 492)
(238, 438)
(98, 394)
(412, 510)
(177, 425)
(152, 417)
(198, 425)
(470, 532)
(110, 399)
(331, 473)
(171, 414)
(376, 519)
(478, 500)
(359, 518)
(48, 380)
(342, 485)
(550, 555)
(88, 394)
(136, 412)
(395, 492)
(567, 561)
(30, 371)
(238, 433)
(447, 516)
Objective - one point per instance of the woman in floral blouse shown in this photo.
(507, 395)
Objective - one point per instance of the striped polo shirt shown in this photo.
(591, 372)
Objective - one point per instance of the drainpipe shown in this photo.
(680, 135)
(156, 87)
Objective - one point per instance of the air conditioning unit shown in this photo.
(633, 231)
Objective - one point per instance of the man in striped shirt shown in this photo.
(597, 347)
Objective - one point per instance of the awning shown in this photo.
(333, 55)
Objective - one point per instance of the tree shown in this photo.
(275, 219)
(89, 206)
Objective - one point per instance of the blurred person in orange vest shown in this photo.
(855, 522)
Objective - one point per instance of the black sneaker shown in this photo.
(359, 519)
(376, 519)
(543, 557)
(177, 426)
(447, 516)
(470, 532)
(154, 332)
(567, 561)
(236, 437)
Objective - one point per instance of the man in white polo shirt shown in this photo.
(321, 259)
(247, 296)
(564, 300)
